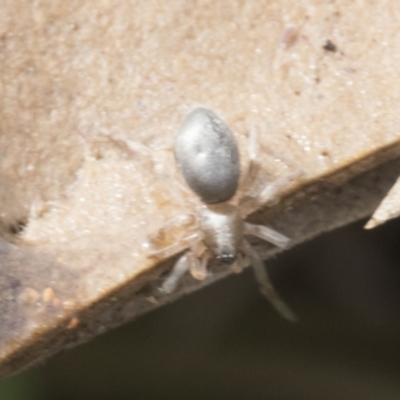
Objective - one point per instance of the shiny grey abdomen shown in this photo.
(208, 157)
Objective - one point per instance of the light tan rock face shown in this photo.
(84, 85)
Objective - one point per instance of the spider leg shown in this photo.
(174, 223)
(185, 262)
(178, 270)
(270, 194)
(180, 245)
(252, 166)
(157, 160)
(157, 240)
(265, 284)
(188, 262)
(238, 265)
(267, 234)
(198, 266)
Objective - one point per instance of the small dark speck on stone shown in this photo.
(329, 46)
(18, 227)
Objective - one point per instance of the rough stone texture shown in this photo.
(84, 83)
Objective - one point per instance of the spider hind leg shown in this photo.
(268, 234)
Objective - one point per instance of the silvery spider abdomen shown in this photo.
(208, 156)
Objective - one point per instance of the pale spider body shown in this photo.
(207, 155)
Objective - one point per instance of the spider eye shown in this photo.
(227, 258)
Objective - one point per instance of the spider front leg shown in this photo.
(195, 260)
(178, 270)
(201, 255)
(264, 282)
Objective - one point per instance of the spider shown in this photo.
(208, 158)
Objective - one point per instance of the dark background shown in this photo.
(226, 342)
